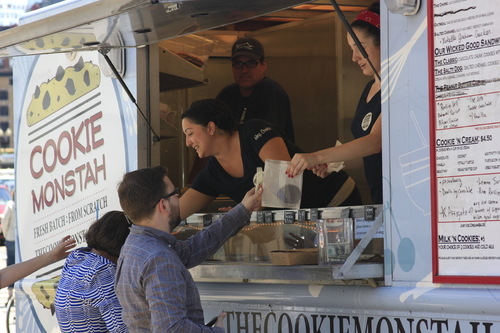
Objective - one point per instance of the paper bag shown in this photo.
(280, 191)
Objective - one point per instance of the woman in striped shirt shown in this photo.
(85, 297)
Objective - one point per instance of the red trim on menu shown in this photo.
(432, 143)
(455, 279)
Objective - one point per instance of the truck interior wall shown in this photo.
(172, 150)
(312, 60)
(148, 106)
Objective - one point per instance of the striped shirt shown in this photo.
(85, 297)
(153, 283)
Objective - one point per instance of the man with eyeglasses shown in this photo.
(153, 284)
(253, 95)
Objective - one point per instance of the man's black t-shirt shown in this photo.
(269, 101)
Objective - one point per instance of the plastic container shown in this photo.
(192, 48)
(335, 240)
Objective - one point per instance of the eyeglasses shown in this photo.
(176, 191)
(249, 64)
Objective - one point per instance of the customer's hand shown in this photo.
(253, 199)
(220, 320)
(62, 249)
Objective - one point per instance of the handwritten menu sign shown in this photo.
(465, 159)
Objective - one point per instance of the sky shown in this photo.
(10, 10)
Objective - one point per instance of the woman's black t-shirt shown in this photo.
(254, 134)
(362, 123)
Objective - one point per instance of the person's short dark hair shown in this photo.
(206, 110)
(369, 29)
(140, 190)
(108, 233)
(249, 47)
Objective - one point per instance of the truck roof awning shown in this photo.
(76, 25)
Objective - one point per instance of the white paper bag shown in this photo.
(280, 191)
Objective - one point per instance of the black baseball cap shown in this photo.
(249, 47)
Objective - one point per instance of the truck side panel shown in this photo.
(76, 137)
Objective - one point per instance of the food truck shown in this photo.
(99, 87)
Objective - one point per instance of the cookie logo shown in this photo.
(67, 86)
(289, 194)
(45, 292)
(59, 41)
(367, 120)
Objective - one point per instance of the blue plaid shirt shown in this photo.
(153, 283)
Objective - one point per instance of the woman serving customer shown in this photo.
(236, 151)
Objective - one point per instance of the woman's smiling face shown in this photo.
(197, 137)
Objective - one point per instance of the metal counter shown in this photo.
(225, 266)
(268, 273)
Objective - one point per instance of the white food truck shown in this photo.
(98, 89)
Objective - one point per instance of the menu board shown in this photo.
(464, 61)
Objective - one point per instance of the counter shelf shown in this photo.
(246, 257)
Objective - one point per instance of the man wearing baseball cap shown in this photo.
(253, 95)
